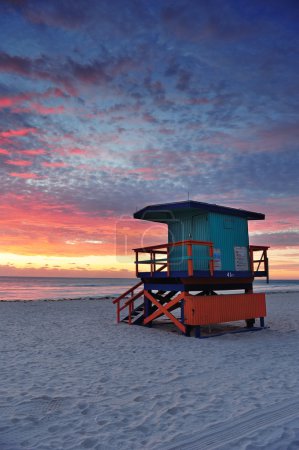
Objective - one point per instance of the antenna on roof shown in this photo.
(188, 196)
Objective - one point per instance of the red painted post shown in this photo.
(118, 312)
(136, 262)
(251, 259)
(130, 312)
(151, 258)
(211, 252)
(190, 260)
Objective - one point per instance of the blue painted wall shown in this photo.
(225, 231)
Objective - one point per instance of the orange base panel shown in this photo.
(209, 309)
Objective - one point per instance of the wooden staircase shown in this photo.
(161, 302)
(129, 297)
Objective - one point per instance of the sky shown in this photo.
(109, 106)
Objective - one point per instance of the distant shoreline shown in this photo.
(112, 297)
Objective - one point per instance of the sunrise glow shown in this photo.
(103, 114)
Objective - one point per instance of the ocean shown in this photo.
(46, 288)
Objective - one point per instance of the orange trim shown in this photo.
(164, 311)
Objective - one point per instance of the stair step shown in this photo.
(134, 317)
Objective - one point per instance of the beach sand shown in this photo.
(71, 378)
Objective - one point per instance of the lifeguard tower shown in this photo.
(207, 251)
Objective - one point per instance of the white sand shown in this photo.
(71, 378)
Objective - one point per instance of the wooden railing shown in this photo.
(164, 249)
(259, 264)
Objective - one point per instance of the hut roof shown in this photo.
(165, 212)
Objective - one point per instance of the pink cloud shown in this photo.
(166, 131)
(20, 132)
(3, 151)
(40, 109)
(149, 118)
(54, 164)
(5, 102)
(20, 163)
(24, 175)
(34, 151)
(199, 101)
(147, 173)
(77, 151)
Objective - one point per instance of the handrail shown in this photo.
(130, 302)
(129, 291)
(155, 249)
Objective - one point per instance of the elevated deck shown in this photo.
(186, 269)
(164, 289)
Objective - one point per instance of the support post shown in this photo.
(262, 322)
(188, 329)
(197, 331)
(147, 309)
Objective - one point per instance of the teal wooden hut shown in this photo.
(226, 228)
(208, 250)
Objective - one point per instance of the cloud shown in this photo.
(277, 239)
(20, 163)
(40, 109)
(34, 151)
(67, 73)
(132, 105)
(17, 133)
(57, 14)
(54, 164)
(202, 21)
(26, 176)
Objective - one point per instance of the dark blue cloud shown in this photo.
(183, 95)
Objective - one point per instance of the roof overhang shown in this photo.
(166, 212)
